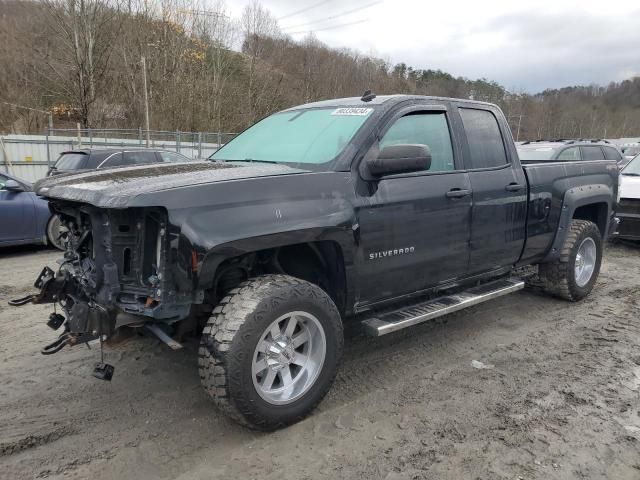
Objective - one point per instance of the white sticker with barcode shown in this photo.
(352, 111)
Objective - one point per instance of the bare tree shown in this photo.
(84, 30)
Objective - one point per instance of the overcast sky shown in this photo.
(522, 44)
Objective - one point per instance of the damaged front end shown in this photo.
(114, 274)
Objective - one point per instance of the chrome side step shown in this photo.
(412, 315)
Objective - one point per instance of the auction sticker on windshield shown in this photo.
(352, 111)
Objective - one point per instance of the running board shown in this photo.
(425, 311)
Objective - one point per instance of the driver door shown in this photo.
(415, 227)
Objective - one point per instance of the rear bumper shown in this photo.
(628, 211)
(629, 226)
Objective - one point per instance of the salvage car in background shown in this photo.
(630, 151)
(24, 217)
(629, 201)
(568, 150)
(82, 160)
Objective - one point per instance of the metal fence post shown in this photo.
(199, 145)
(219, 139)
(178, 141)
(90, 138)
(140, 135)
(48, 151)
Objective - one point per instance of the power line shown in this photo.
(333, 17)
(302, 10)
(329, 28)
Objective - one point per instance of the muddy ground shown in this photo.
(562, 400)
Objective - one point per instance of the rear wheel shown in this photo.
(270, 351)
(574, 274)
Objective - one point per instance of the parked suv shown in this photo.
(76, 161)
(568, 150)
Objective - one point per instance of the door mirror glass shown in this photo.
(401, 158)
(13, 186)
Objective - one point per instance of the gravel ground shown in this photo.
(560, 398)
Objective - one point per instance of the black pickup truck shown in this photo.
(388, 211)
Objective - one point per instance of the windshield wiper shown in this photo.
(251, 160)
(630, 174)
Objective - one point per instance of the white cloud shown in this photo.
(528, 45)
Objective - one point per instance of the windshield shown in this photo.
(631, 151)
(70, 161)
(632, 168)
(537, 153)
(301, 136)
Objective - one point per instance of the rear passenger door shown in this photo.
(499, 191)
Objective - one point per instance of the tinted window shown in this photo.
(115, 160)
(572, 153)
(592, 153)
(430, 129)
(611, 153)
(486, 147)
(71, 161)
(536, 153)
(95, 159)
(133, 158)
(173, 157)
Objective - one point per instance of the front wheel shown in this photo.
(574, 274)
(56, 232)
(270, 351)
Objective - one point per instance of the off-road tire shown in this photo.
(230, 338)
(558, 278)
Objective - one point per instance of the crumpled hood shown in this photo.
(114, 188)
(629, 186)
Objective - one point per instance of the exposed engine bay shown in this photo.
(113, 274)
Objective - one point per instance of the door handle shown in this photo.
(457, 193)
(514, 187)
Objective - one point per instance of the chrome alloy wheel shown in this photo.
(585, 261)
(288, 358)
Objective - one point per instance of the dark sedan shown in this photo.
(24, 217)
(82, 160)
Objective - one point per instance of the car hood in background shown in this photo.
(116, 187)
(629, 186)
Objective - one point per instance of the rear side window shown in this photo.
(592, 153)
(173, 157)
(3, 180)
(430, 129)
(115, 160)
(568, 154)
(141, 157)
(71, 161)
(486, 147)
(611, 153)
(95, 159)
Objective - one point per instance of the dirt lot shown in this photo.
(562, 399)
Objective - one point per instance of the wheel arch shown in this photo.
(323, 259)
(587, 202)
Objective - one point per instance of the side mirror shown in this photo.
(13, 186)
(402, 158)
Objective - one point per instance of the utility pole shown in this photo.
(146, 100)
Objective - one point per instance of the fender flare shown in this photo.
(575, 198)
